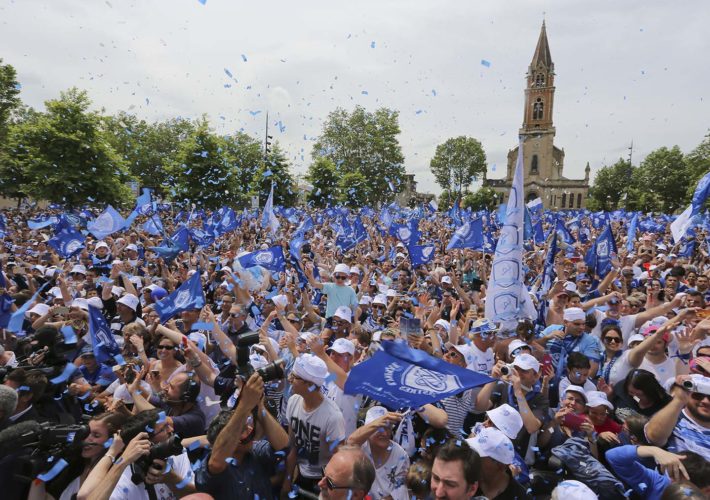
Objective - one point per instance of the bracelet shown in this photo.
(108, 455)
(195, 364)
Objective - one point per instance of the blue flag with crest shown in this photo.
(604, 248)
(109, 222)
(270, 258)
(67, 242)
(401, 377)
(102, 340)
(406, 233)
(153, 226)
(189, 296)
(420, 255)
(470, 235)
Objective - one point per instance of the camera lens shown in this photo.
(272, 371)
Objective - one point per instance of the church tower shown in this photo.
(542, 160)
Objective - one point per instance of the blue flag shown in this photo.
(143, 207)
(42, 221)
(102, 340)
(14, 325)
(548, 274)
(604, 247)
(3, 226)
(687, 247)
(67, 241)
(561, 229)
(470, 235)
(227, 221)
(109, 222)
(406, 233)
(187, 297)
(401, 377)
(180, 239)
(702, 191)
(167, 252)
(528, 232)
(269, 219)
(421, 254)
(633, 227)
(271, 259)
(201, 238)
(538, 233)
(153, 226)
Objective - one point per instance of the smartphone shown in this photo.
(573, 421)
(410, 326)
(546, 361)
(61, 310)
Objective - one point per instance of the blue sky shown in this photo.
(625, 70)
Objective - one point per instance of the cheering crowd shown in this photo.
(135, 367)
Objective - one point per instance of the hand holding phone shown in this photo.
(573, 421)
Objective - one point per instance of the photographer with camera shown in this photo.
(684, 423)
(247, 445)
(153, 466)
(29, 393)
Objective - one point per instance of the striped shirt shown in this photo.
(690, 436)
(457, 407)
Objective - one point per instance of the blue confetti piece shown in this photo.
(203, 2)
(203, 326)
(244, 58)
(69, 369)
(254, 113)
(433, 92)
(119, 359)
(161, 417)
(485, 63)
(266, 174)
(18, 86)
(185, 481)
(372, 44)
(69, 334)
(58, 467)
(364, 92)
(228, 73)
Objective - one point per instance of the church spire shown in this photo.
(542, 55)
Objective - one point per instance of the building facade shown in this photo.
(542, 160)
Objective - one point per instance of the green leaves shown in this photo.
(458, 163)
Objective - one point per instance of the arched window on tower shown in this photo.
(571, 200)
(538, 109)
(579, 200)
(564, 200)
(539, 80)
(533, 165)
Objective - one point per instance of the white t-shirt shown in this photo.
(349, 405)
(620, 369)
(627, 325)
(316, 434)
(482, 361)
(663, 371)
(126, 490)
(391, 476)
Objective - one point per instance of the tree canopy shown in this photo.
(457, 163)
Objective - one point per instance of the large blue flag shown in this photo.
(102, 340)
(406, 233)
(561, 229)
(604, 248)
(226, 221)
(67, 242)
(633, 227)
(702, 191)
(180, 239)
(421, 254)
(470, 235)
(271, 259)
(143, 207)
(201, 238)
(401, 377)
(538, 233)
(109, 222)
(153, 226)
(187, 297)
(42, 221)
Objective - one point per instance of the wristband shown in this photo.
(108, 455)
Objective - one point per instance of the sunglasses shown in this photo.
(235, 315)
(330, 485)
(166, 347)
(612, 340)
(340, 276)
(699, 396)
(378, 306)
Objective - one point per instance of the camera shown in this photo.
(160, 451)
(700, 386)
(506, 369)
(272, 371)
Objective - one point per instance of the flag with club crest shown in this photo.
(109, 222)
(189, 296)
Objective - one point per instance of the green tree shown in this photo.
(324, 178)
(68, 158)
(484, 198)
(201, 171)
(457, 163)
(663, 172)
(146, 148)
(9, 96)
(15, 156)
(245, 153)
(613, 186)
(445, 200)
(354, 188)
(275, 169)
(365, 143)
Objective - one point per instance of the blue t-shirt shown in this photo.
(586, 344)
(648, 483)
(338, 295)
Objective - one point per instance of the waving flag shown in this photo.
(180, 239)
(421, 254)
(5, 306)
(42, 221)
(269, 219)
(535, 207)
(470, 235)
(633, 226)
(406, 233)
(102, 340)
(507, 298)
(67, 242)
(604, 248)
(702, 191)
(271, 259)
(153, 226)
(687, 247)
(401, 377)
(538, 233)
(227, 221)
(109, 222)
(561, 229)
(143, 207)
(548, 274)
(188, 297)
(682, 223)
(18, 317)
(386, 218)
(201, 238)
(3, 226)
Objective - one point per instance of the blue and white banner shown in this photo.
(102, 340)
(400, 377)
(420, 255)
(188, 297)
(109, 222)
(269, 219)
(507, 298)
(470, 235)
(271, 259)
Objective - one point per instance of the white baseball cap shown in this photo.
(342, 269)
(365, 300)
(379, 300)
(129, 300)
(636, 337)
(446, 279)
(443, 324)
(517, 344)
(132, 247)
(391, 292)
(526, 361)
(574, 490)
(598, 398)
(492, 443)
(507, 419)
(570, 286)
(343, 346)
(579, 390)
(344, 313)
(79, 269)
(355, 270)
(574, 314)
(80, 303)
(464, 350)
(40, 309)
(374, 413)
(101, 244)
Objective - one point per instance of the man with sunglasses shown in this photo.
(684, 423)
(339, 293)
(348, 475)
